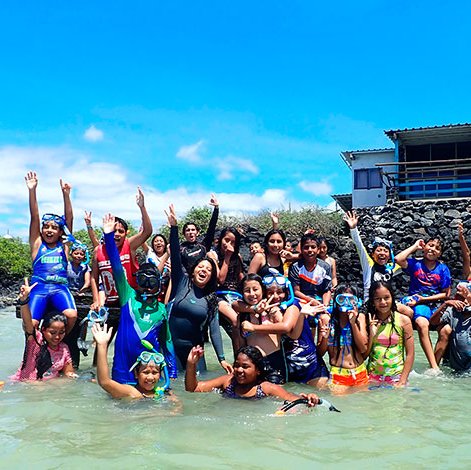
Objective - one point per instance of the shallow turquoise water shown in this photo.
(74, 424)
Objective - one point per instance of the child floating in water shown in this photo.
(49, 256)
(45, 356)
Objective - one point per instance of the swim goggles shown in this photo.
(283, 282)
(347, 302)
(149, 356)
(96, 317)
(57, 219)
(78, 245)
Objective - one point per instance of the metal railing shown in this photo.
(427, 179)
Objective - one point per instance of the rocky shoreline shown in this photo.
(401, 222)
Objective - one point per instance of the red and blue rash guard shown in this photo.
(424, 281)
(139, 320)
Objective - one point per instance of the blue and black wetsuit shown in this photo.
(139, 320)
(50, 272)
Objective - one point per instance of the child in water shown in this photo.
(45, 356)
(256, 308)
(391, 340)
(49, 256)
(346, 340)
(247, 381)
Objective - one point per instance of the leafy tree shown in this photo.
(15, 258)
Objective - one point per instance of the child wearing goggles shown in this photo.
(49, 256)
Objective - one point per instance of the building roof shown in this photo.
(431, 135)
(344, 201)
(349, 155)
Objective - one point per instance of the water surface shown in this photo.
(74, 424)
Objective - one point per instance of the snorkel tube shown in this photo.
(290, 300)
(304, 401)
(158, 390)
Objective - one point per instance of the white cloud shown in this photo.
(102, 187)
(318, 188)
(93, 134)
(229, 165)
(191, 153)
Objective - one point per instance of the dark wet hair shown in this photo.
(252, 277)
(162, 237)
(371, 307)
(335, 319)
(43, 359)
(256, 357)
(273, 232)
(213, 280)
(308, 237)
(187, 224)
(236, 234)
(321, 240)
(439, 240)
(119, 220)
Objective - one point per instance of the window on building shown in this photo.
(368, 178)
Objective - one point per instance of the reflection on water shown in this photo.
(74, 424)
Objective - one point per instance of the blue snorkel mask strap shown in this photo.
(69, 238)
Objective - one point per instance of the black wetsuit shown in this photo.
(191, 310)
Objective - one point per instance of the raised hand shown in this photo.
(140, 197)
(31, 180)
(171, 216)
(101, 333)
(25, 289)
(227, 367)
(108, 223)
(87, 218)
(213, 201)
(275, 220)
(66, 187)
(196, 353)
(351, 218)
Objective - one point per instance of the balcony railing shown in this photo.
(427, 179)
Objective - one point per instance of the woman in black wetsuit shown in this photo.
(271, 259)
(194, 302)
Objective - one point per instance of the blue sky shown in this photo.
(250, 100)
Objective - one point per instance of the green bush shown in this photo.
(15, 258)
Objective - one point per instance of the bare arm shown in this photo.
(115, 389)
(68, 212)
(95, 281)
(334, 273)
(409, 346)
(257, 262)
(34, 224)
(191, 382)
(137, 240)
(401, 258)
(358, 326)
(25, 289)
(91, 233)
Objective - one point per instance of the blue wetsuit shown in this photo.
(139, 320)
(50, 272)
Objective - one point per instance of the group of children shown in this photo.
(282, 317)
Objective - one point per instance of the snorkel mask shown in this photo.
(378, 241)
(280, 281)
(152, 355)
(78, 245)
(148, 277)
(347, 302)
(96, 317)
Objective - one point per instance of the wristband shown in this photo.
(23, 302)
(222, 358)
(89, 227)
